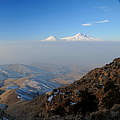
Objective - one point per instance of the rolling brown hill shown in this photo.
(96, 96)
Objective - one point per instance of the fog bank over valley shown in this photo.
(76, 53)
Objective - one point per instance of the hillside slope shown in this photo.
(96, 96)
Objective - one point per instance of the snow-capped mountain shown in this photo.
(80, 37)
(75, 38)
(49, 39)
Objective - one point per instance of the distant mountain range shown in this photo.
(77, 37)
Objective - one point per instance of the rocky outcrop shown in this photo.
(97, 90)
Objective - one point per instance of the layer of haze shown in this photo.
(82, 53)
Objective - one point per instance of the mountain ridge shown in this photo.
(74, 38)
(80, 37)
(96, 96)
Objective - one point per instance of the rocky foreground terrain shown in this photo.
(96, 96)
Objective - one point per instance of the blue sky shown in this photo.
(37, 19)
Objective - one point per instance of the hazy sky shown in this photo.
(37, 19)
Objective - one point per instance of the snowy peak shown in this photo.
(74, 38)
(49, 39)
(78, 34)
(80, 37)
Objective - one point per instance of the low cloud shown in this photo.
(103, 21)
(97, 22)
(88, 24)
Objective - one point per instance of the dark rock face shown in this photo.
(96, 96)
(112, 114)
(111, 95)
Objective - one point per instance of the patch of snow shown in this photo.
(50, 98)
(18, 97)
(62, 93)
(72, 103)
